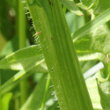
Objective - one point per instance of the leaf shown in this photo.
(92, 25)
(87, 4)
(97, 41)
(104, 91)
(72, 7)
(83, 45)
(100, 40)
(90, 57)
(9, 47)
(35, 99)
(102, 6)
(93, 91)
(22, 59)
(5, 101)
(74, 22)
(6, 75)
(13, 81)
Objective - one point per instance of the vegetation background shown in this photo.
(54, 55)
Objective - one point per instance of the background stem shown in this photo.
(22, 44)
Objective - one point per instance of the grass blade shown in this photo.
(18, 60)
(35, 99)
(89, 27)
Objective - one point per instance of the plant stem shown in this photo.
(22, 44)
(21, 25)
(45, 94)
(0, 93)
(60, 55)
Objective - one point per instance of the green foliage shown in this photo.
(17, 60)
(37, 96)
(105, 94)
(46, 47)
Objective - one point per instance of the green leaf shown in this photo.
(22, 59)
(35, 99)
(85, 4)
(72, 7)
(6, 74)
(102, 6)
(13, 81)
(9, 47)
(5, 101)
(79, 21)
(104, 91)
(93, 91)
(100, 40)
(92, 25)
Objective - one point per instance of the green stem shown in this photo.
(60, 55)
(106, 71)
(17, 101)
(45, 94)
(22, 44)
(109, 71)
(0, 93)
(21, 25)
